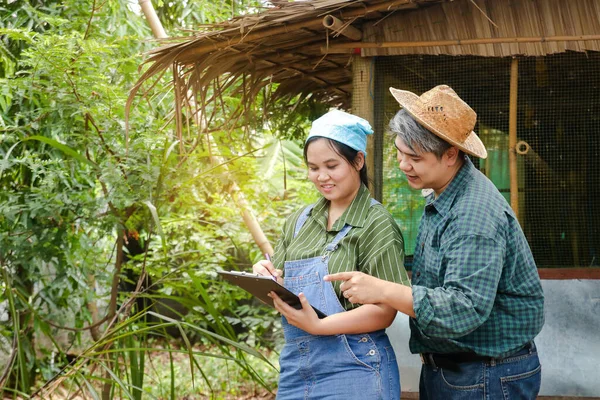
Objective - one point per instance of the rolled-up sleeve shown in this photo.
(388, 264)
(382, 249)
(472, 266)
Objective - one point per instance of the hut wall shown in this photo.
(461, 19)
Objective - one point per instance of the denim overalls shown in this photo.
(345, 367)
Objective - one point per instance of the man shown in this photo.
(476, 301)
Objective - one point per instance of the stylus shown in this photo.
(268, 257)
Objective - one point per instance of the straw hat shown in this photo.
(446, 115)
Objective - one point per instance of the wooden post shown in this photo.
(362, 105)
(512, 136)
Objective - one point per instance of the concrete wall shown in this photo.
(569, 344)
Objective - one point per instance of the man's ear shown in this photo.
(451, 156)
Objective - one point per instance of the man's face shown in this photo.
(423, 170)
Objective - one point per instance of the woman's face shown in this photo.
(333, 176)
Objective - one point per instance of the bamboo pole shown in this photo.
(362, 105)
(512, 136)
(152, 18)
(345, 47)
(237, 195)
(575, 214)
(341, 28)
(536, 162)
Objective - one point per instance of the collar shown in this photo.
(355, 214)
(445, 200)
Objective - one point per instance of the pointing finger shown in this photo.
(340, 276)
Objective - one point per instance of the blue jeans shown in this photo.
(515, 377)
(347, 367)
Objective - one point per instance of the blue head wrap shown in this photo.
(344, 128)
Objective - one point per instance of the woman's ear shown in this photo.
(359, 161)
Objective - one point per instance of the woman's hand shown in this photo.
(305, 319)
(266, 268)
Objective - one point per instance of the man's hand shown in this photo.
(358, 287)
(305, 319)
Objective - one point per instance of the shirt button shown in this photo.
(422, 244)
(363, 339)
(371, 352)
(418, 274)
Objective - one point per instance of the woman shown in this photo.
(347, 354)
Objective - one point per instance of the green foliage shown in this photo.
(190, 14)
(225, 379)
(85, 205)
(292, 122)
(401, 200)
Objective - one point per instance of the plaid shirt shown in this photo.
(475, 283)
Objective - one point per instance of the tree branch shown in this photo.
(112, 305)
(89, 24)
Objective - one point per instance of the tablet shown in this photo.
(260, 286)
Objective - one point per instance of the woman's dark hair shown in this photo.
(345, 151)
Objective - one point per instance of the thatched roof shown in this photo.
(287, 43)
(280, 44)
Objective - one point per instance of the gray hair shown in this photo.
(417, 137)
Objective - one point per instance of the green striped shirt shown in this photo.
(374, 245)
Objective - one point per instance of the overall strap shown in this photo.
(304, 216)
(334, 243)
(341, 234)
(302, 219)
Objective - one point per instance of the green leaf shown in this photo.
(4, 164)
(62, 147)
(157, 223)
(17, 34)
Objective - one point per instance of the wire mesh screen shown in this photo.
(558, 131)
